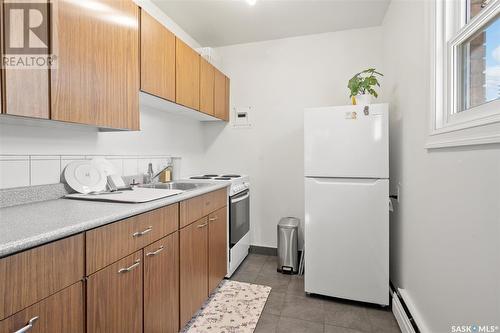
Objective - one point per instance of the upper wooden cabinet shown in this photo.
(220, 95)
(157, 58)
(96, 79)
(187, 76)
(207, 77)
(227, 104)
(26, 90)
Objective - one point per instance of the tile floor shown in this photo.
(290, 310)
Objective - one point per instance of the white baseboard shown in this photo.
(400, 314)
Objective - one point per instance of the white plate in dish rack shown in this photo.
(137, 195)
(85, 177)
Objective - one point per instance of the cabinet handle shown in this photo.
(212, 219)
(155, 252)
(128, 269)
(29, 326)
(141, 233)
(202, 225)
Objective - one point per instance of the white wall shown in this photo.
(278, 79)
(445, 233)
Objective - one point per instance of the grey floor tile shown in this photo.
(290, 325)
(268, 323)
(296, 285)
(305, 308)
(256, 259)
(347, 315)
(382, 321)
(339, 329)
(275, 303)
(278, 283)
(243, 276)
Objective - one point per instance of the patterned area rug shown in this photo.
(234, 307)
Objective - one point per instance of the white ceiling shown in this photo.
(225, 22)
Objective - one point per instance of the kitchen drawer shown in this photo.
(32, 275)
(195, 208)
(61, 312)
(114, 241)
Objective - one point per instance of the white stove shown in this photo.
(239, 183)
(238, 235)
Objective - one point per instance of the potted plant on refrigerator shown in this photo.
(362, 86)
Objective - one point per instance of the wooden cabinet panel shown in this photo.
(157, 58)
(217, 247)
(27, 90)
(219, 95)
(32, 275)
(187, 76)
(227, 105)
(193, 257)
(114, 297)
(96, 80)
(197, 207)
(207, 76)
(61, 312)
(161, 285)
(109, 243)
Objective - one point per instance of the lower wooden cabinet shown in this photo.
(61, 312)
(161, 285)
(114, 297)
(217, 247)
(193, 268)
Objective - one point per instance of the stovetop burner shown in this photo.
(222, 178)
(211, 176)
(231, 176)
(200, 177)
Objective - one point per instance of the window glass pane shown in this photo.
(481, 66)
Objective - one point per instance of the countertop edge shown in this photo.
(10, 248)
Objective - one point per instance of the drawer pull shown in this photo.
(141, 233)
(202, 225)
(155, 252)
(29, 326)
(212, 219)
(128, 269)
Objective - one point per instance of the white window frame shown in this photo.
(448, 127)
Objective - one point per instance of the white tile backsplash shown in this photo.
(25, 170)
(45, 171)
(14, 173)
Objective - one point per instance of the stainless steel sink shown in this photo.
(185, 186)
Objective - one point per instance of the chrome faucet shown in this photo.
(151, 176)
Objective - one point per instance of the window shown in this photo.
(466, 72)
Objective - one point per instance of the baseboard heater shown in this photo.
(402, 313)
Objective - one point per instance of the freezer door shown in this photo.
(343, 141)
(347, 238)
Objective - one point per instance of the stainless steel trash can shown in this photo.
(288, 232)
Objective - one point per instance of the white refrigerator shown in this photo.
(346, 180)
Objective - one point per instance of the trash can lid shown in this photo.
(289, 222)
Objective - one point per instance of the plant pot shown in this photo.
(363, 99)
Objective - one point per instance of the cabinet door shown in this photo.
(227, 106)
(217, 248)
(193, 258)
(161, 285)
(207, 72)
(27, 90)
(96, 79)
(114, 297)
(187, 76)
(61, 312)
(220, 94)
(157, 58)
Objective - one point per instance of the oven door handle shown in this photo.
(240, 198)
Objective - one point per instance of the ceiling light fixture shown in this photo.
(251, 2)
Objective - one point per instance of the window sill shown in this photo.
(457, 136)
